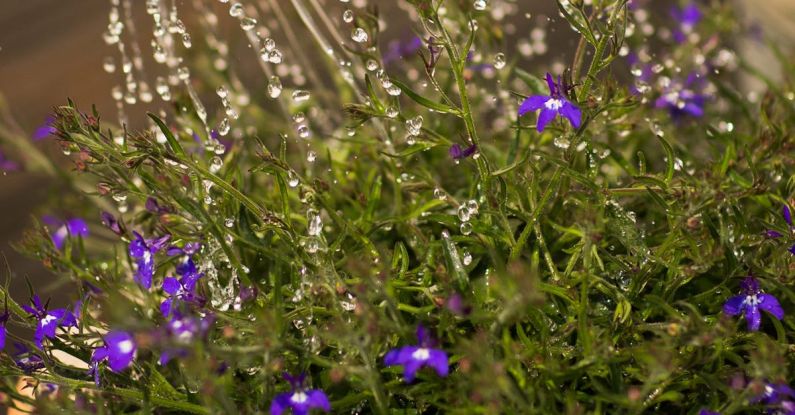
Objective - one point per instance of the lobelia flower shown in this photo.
(72, 227)
(45, 130)
(779, 396)
(751, 301)
(112, 223)
(552, 105)
(770, 233)
(119, 351)
(683, 98)
(26, 360)
(143, 250)
(458, 153)
(300, 400)
(707, 412)
(687, 17)
(182, 331)
(180, 291)
(48, 321)
(412, 358)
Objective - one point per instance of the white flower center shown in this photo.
(553, 104)
(299, 397)
(49, 318)
(125, 346)
(147, 256)
(421, 354)
(752, 300)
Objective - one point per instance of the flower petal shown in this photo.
(532, 103)
(171, 285)
(438, 361)
(544, 118)
(77, 227)
(410, 369)
(734, 305)
(399, 356)
(787, 214)
(280, 403)
(753, 317)
(770, 304)
(572, 113)
(165, 307)
(318, 399)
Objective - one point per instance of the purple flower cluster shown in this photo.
(552, 105)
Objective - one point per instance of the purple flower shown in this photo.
(112, 223)
(180, 291)
(3, 321)
(181, 331)
(779, 396)
(398, 50)
(412, 358)
(458, 153)
(45, 130)
(683, 98)
(688, 17)
(26, 360)
(750, 302)
(119, 351)
(48, 321)
(72, 227)
(770, 233)
(7, 164)
(552, 105)
(143, 250)
(707, 412)
(153, 206)
(299, 399)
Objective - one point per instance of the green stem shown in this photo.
(133, 395)
(466, 110)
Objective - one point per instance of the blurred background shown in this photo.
(51, 50)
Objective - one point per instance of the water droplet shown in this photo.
(480, 5)
(215, 164)
(274, 87)
(311, 156)
(439, 194)
(466, 228)
(467, 257)
(359, 35)
(224, 127)
(464, 213)
(300, 95)
(347, 16)
(414, 125)
(109, 65)
(499, 60)
(236, 10)
(248, 23)
(292, 180)
(229, 222)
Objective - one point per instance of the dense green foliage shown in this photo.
(591, 263)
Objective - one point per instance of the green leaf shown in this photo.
(425, 102)
(172, 141)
